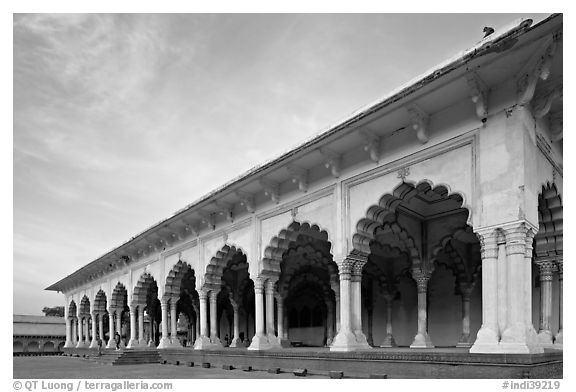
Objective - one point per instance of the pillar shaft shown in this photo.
(173, 322)
(110, 328)
(203, 314)
(389, 338)
(269, 288)
(133, 341)
(214, 327)
(259, 340)
(141, 338)
(101, 327)
(68, 333)
(329, 322)
(488, 335)
(164, 309)
(422, 340)
(547, 269)
(559, 338)
(465, 338)
(280, 321)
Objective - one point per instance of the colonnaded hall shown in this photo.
(422, 232)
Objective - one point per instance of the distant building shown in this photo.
(38, 334)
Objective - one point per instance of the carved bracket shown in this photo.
(246, 200)
(271, 189)
(225, 209)
(420, 120)
(556, 127)
(300, 176)
(478, 94)
(208, 219)
(542, 101)
(371, 144)
(333, 161)
(538, 67)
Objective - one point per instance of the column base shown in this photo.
(464, 341)
(204, 343)
(422, 340)
(347, 341)
(165, 343)
(273, 341)
(545, 338)
(520, 339)
(142, 343)
(559, 340)
(69, 344)
(486, 342)
(151, 343)
(236, 342)
(216, 341)
(361, 339)
(132, 343)
(82, 345)
(388, 341)
(259, 342)
(111, 344)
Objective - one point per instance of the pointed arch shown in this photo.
(85, 306)
(100, 302)
(217, 264)
(175, 277)
(72, 309)
(145, 282)
(119, 296)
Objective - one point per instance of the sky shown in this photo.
(121, 120)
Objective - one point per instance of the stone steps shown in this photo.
(126, 357)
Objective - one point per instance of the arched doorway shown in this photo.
(183, 299)
(419, 231)
(147, 309)
(302, 279)
(118, 308)
(101, 314)
(84, 328)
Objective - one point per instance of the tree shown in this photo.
(56, 311)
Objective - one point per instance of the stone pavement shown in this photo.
(68, 368)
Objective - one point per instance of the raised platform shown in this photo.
(395, 362)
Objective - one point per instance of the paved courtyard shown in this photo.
(69, 367)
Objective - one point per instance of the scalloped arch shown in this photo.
(100, 301)
(72, 309)
(142, 286)
(295, 233)
(85, 305)
(217, 264)
(548, 242)
(174, 279)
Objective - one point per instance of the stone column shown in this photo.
(518, 336)
(110, 329)
(345, 339)
(335, 286)
(74, 325)
(165, 339)
(280, 322)
(389, 338)
(236, 339)
(68, 333)
(174, 341)
(422, 339)
(502, 291)
(559, 338)
(133, 341)
(370, 337)
(203, 341)
(141, 338)
(273, 341)
(356, 305)
(214, 326)
(329, 322)
(119, 327)
(547, 269)
(89, 320)
(94, 341)
(80, 331)
(466, 291)
(101, 328)
(488, 336)
(259, 341)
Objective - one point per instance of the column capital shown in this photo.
(488, 242)
(559, 264)
(516, 238)
(202, 294)
(270, 285)
(547, 269)
(259, 285)
(421, 277)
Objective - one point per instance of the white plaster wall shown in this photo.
(242, 238)
(319, 212)
(271, 226)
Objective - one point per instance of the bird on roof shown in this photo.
(487, 31)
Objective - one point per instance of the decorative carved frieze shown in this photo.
(271, 189)
(478, 94)
(371, 144)
(419, 120)
(299, 176)
(333, 161)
